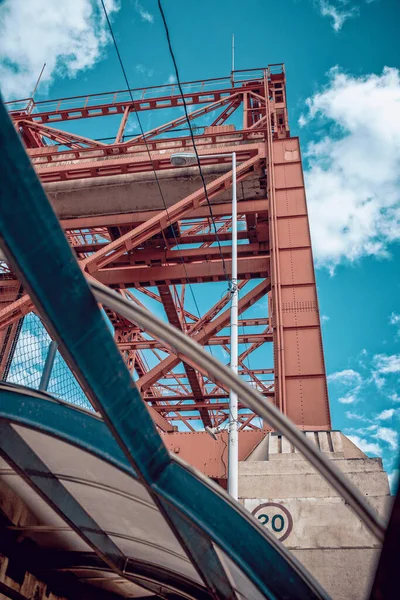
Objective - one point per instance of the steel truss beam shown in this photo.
(155, 225)
(197, 405)
(150, 257)
(254, 267)
(130, 165)
(107, 104)
(138, 250)
(194, 381)
(182, 120)
(203, 330)
(222, 209)
(66, 139)
(218, 340)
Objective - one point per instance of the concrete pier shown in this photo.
(295, 503)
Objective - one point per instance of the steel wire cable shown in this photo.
(192, 137)
(194, 147)
(149, 154)
(249, 396)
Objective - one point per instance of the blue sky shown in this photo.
(342, 62)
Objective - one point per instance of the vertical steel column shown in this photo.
(48, 366)
(233, 442)
(277, 318)
(300, 380)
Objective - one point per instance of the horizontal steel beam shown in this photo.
(219, 340)
(241, 372)
(254, 323)
(141, 233)
(148, 255)
(16, 310)
(198, 405)
(256, 267)
(127, 164)
(222, 209)
(52, 155)
(197, 417)
(108, 103)
(157, 257)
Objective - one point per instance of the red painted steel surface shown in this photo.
(304, 395)
(208, 455)
(123, 235)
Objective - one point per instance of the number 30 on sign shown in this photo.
(276, 518)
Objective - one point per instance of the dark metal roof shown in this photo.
(95, 517)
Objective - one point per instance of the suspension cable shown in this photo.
(149, 154)
(192, 137)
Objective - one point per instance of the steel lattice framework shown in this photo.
(107, 197)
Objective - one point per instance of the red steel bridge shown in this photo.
(160, 234)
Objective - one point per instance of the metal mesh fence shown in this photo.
(29, 359)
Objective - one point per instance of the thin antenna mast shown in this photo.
(233, 56)
(38, 81)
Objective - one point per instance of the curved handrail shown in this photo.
(249, 396)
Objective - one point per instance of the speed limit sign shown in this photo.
(276, 518)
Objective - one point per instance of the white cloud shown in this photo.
(361, 431)
(29, 377)
(28, 361)
(394, 320)
(349, 398)
(324, 319)
(385, 364)
(346, 377)
(145, 15)
(386, 414)
(171, 79)
(370, 428)
(353, 177)
(379, 381)
(337, 11)
(144, 70)
(366, 446)
(68, 36)
(131, 126)
(29, 349)
(357, 417)
(302, 121)
(395, 397)
(390, 436)
(382, 366)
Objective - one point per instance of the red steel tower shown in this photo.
(135, 221)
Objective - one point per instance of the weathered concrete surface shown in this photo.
(295, 503)
(346, 574)
(317, 522)
(134, 193)
(307, 485)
